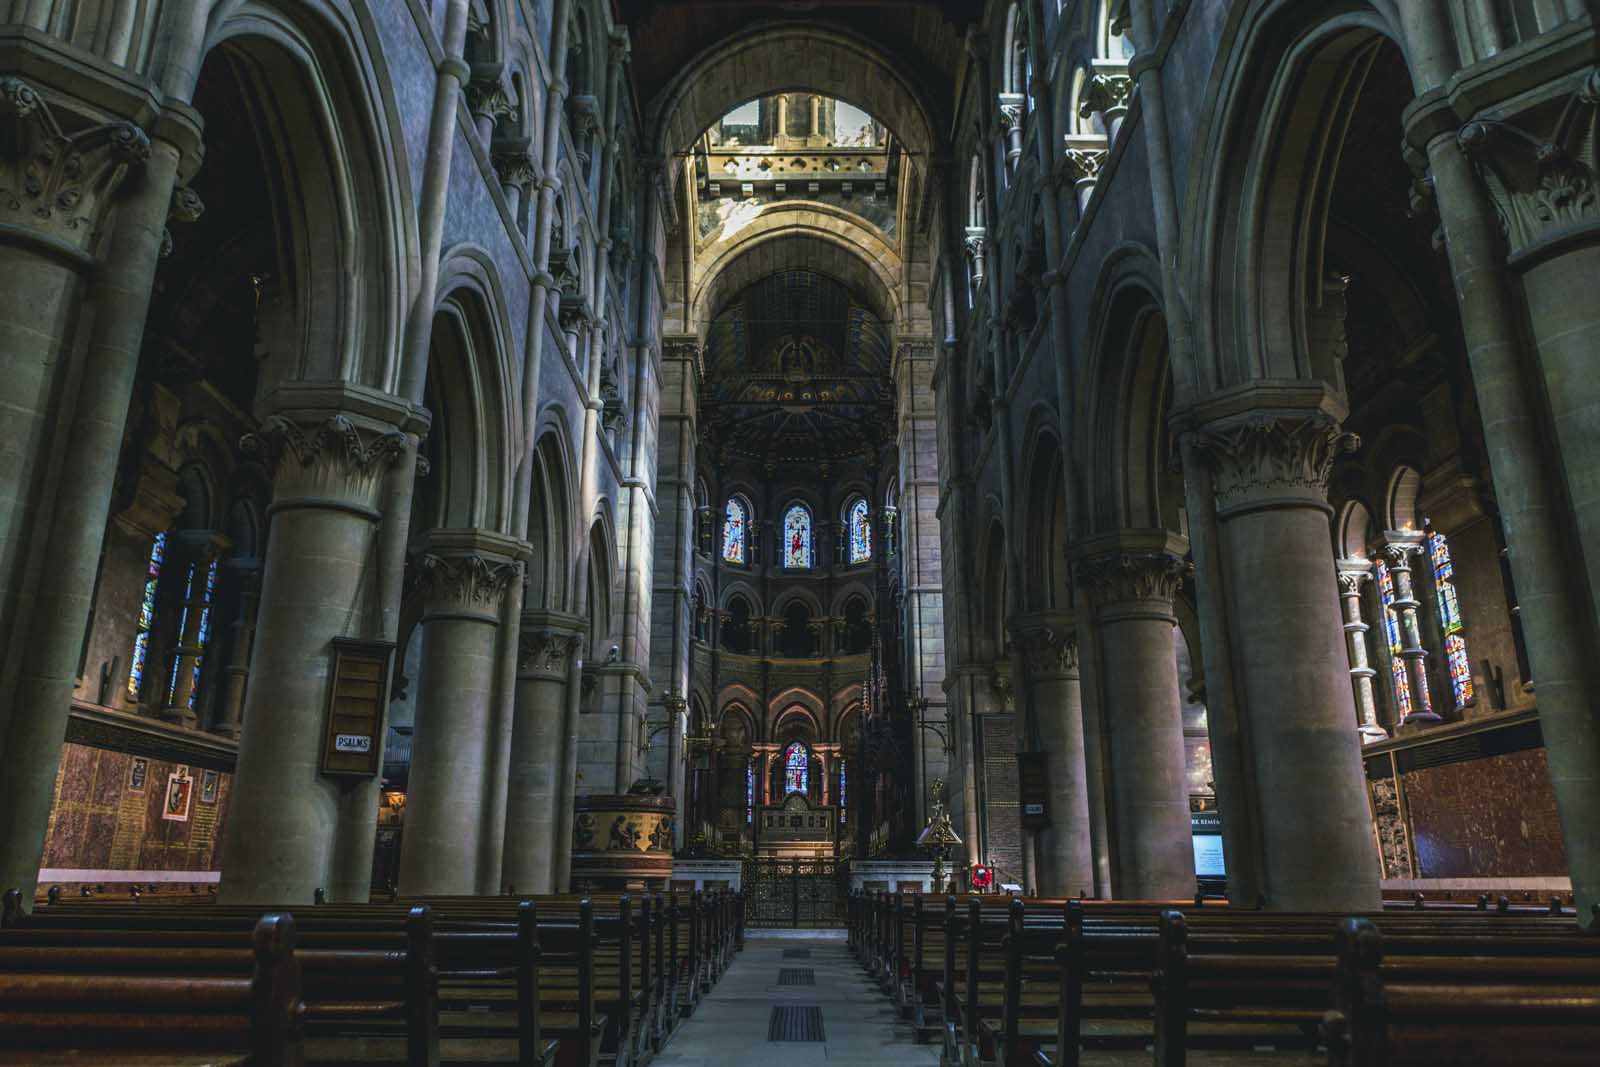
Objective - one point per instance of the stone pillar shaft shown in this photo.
(462, 585)
(237, 675)
(1271, 470)
(1131, 589)
(1352, 575)
(282, 831)
(1064, 858)
(546, 647)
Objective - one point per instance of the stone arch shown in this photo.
(601, 590)
(992, 606)
(1278, 106)
(797, 701)
(1044, 516)
(834, 251)
(339, 182)
(1129, 395)
(550, 527)
(763, 60)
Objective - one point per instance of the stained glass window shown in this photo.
(843, 781)
(1455, 641)
(204, 641)
(735, 530)
(749, 791)
(1391, 631)
(147, 615)
(860, 532)
(796, 768)
(797, 537)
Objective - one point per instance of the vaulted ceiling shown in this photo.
(797, 371)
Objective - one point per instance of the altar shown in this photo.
(796, 829)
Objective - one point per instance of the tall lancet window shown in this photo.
(147, 615)
(735, 531)
(750, 791)
(797, 537)
(796, 768)
(1455, 639)
(860, 531)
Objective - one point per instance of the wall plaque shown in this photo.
(1033, 789)
(357, 702)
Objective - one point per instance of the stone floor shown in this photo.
(730, 1026)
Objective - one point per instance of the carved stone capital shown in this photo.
(1274, 457)
(1540, 173)
(1009, 116)
(457, 584)
(1115, 579)
(1082, 164)
(1353, 574)
(514, 165)
(1106, 91)
(1049, 650)
(487, 98)
(323, 460)
(57, 182)
(546, 653)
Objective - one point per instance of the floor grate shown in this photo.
(796, 976)
(797, 954)
(803, 1023)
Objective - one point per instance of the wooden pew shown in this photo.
(170, 1019)
(1496, 1013)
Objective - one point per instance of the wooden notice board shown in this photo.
(353, 734)
(1033, 789)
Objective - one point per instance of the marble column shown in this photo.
(1353, 574)
(1131, 579)
(1064, 856)
(462, 576)
(1401, 548)
(545, 649)
(284, 817)
(1270, 469)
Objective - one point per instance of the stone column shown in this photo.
(1131, 579)
(283, 821)
(462, 575)
(546, 646)
(1353, 574)
(1270, 470)
(1064, 856)
(237, 674)
(1399, 550)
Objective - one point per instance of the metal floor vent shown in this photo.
(797, 954)
(796, 976)
(802, 1023)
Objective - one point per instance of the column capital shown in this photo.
(1048, 645)
(1400, 545)
(1353, 574)
(1273, 457)
(1134, 568)
(326, 459)
(546, 652)
(59, 177)
(463, 573)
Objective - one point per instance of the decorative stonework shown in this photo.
(467, 583)
(1540, 185)
(61, 183)
(1082, 164)
(1269, 456)
(333, 460)
(186, 206)
(1105, 92)
(1048, 652)
(1126, 577)
(514, 165)
(545, 653)
(487, 99)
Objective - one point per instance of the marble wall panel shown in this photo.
(1493, 816)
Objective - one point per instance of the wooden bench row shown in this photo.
(1015, 982)
(547, 977)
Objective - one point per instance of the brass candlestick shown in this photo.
(939, 836)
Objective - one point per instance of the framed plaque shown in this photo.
(1033, 789)
(357, 702)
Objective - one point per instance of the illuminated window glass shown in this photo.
(844, 807)
(749, 791)
(1455, 640)
(796, 768)
(1391, 631)
(860, 533)
(147, 616)
(735, 531)
(204, 641)
(797, 537)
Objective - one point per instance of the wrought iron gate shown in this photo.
(794, 892)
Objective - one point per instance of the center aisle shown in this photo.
(731, 1025)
